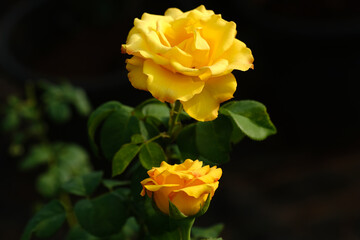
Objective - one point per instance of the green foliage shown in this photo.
(136, 138)
(59, 99)
(151, 155)
(38, 155)
(209, 232)
(123, 158)
(116, 131)
(105, 215)
(251, 118)
(206, 141)
(67, 162)
(83, 185)
(46, 221)
(100, 114)
(154, 109)
(111, 183)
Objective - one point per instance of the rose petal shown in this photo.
(239, 56)
(136, 76)
(198, 190)
(219, 34)
(167, 86)
(186, 204)
(205, 105)
(173, 12)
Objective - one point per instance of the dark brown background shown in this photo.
(303, 183)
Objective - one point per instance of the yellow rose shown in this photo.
(186, 185)
(186, 56)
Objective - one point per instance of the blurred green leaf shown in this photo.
(48, 183)
(111, 183)
(73, 161)
(102, 216)
(11, 121)
(81, 102)
(38, 155)
(251, 118)
(137, 138)
(151, 155)
(99, 115)
(83, 185)
(77, 233)
(58, 111)
(209, 232)
(123, 158)
(116, 131)
(46, 221)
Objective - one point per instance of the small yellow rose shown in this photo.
(186, 185)
(186, 56)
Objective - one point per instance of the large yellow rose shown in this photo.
(186, 185)
(186, 56)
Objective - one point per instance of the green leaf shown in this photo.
(251, 118)
(157, 110)
(38, 155)
(137, 138)
(151, 155)
(83, 185)
(99, 115)
(102, 216)
(117, 131)
(186, 141)
(46, 221)
(111, 183)
(209, 232)
(123, 158)
(77, 233)
(213, 139)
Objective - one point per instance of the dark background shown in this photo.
(303, 183)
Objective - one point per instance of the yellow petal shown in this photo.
(154, 188)
(239, 56)
(136, 45)
(203, 10)
(173, 12)
(198, 190)
(186, 204)
(175, 54)
(161, 198)
(168, 86)
(205, 105)
(219, 34)
(219, 68)
(136, 76)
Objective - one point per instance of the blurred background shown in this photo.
(303, 183)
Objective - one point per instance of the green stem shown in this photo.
(70, 215)
(184, 227)
(174, 116)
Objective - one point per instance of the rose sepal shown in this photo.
(180, 221)
(204, 208)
